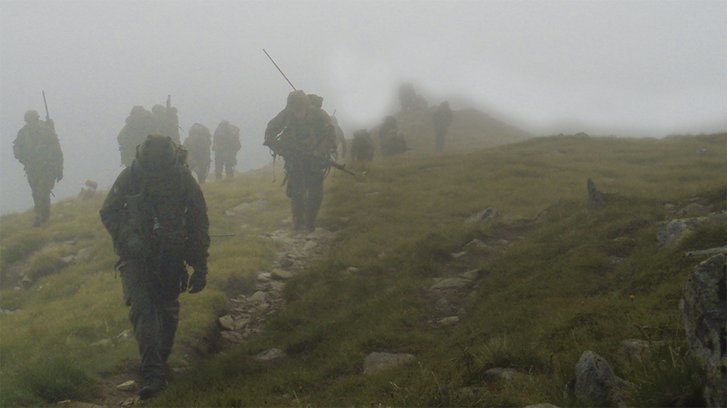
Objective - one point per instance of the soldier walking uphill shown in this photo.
(39, 151)
(198, 145)
(442, 118)
(305, 137)
(226, 144)
(157, 217)
(139, 125)
(362, 148)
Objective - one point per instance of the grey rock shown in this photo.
(471, 274)
(451, 283)
(258, 297)
(270, 355)
(633, 349)
(69, 259)
(247, 206)
(309, 245)
(596, 384)
(670, 233)
(232, 336)
(502, 374)
(353, 270)
(281, 274)
(264, 276)
(127, 386)
(377, 362)
(704, 316)
(458, 255)
(710, 251)
(477, 245)
(131, 402)
(484, 215)
(595, 198)
(448, 321)
(227, 322)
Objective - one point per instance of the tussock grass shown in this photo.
(561, 279)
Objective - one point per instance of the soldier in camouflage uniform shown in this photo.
(157, 218)
(362, 148)
(305, 137)
(226, 144)
(39, 151)
(442, 118)
(139, 125)
(198, 145)
(391, 140)
(166, 122)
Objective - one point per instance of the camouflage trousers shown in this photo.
(153, 296)
(224, 160)
(305, 190)
(41, 185)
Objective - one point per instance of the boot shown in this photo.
(152, 388)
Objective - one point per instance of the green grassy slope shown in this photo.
(548, 287)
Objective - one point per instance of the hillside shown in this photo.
(529, 289)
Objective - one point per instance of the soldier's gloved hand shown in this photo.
(199, 279)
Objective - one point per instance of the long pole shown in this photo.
(280, 70)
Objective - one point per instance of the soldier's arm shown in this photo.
(275, 126)
(113, 210)
(19, 148)
(198, 238)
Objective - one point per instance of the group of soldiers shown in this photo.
(156, 212)
(199, 143)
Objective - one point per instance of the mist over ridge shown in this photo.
(646, 68)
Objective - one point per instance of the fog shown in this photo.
(631, 68)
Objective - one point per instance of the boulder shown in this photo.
(281, 274)
(671, 233)
(704, 315)
(377, 362)
(484, 215)
(596, 384)
(448, 321)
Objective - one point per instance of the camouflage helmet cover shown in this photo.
(298, 100)
(31, 116)
(316, 100)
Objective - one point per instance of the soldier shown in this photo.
(305, 137)
(226, 145)
(157, 218)
(442, 118)
(198, 145)
(166, 122)
(362, 148)
(37, 148)
(139, 125)
(410, 100)
(391, 139)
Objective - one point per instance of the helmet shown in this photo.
(156, 153)
(298, 100)
(31, 116)
(316, 100)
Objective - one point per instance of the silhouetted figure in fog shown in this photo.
(391, 140)
(304, 135)
(198, 145)
(37, 148)
(157, 218)
(362, 148)
(442, 118)
(226, 144)
(410, 100)
(139, 125)
(166, 122)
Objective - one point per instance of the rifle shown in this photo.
(47, 115)
(169, 101)
(280, 70)
(290, 149)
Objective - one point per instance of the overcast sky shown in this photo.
(602, 67)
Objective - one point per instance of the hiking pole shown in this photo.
(280, 70)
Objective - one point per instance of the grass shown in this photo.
(564, 280)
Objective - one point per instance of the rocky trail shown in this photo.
(245, 315)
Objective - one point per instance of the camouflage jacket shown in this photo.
(38, 149)
(314, 135)
(170, 215)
